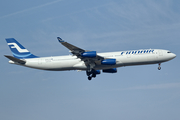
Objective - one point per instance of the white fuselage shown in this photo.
(123, 58)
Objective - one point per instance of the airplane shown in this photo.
(86, 60)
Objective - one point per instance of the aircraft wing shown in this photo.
(73, 49)
(85, 55)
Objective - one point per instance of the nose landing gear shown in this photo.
(159, 68)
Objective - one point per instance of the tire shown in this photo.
(159, 68)
(89, 78)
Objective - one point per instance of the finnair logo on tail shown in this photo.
(18, 48)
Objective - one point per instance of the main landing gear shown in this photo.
(159, 68)
(92, 73)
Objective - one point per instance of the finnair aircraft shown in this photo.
(85, 60)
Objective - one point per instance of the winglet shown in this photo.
(60, 40)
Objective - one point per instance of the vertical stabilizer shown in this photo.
(18, 50)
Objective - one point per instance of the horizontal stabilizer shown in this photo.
(15, 59)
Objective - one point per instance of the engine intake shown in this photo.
(113, 70)
(90, 54)
(108, 62)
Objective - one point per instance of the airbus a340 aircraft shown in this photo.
(85, 60)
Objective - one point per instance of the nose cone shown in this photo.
(173, 55)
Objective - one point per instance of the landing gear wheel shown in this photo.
(94, 75)
(89, 78)
(159, 68)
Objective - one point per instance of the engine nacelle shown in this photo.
(90, 54)
(97, 72)
(108, 62)
(113, 70)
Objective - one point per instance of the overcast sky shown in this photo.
(133, 93)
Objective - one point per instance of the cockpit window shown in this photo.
(168, 52)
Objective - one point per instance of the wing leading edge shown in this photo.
(89, 57)
(74, 50)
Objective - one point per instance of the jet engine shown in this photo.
(108, 62)
(96, 72)
(90, 54)
(113, 70)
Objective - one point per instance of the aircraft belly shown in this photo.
(80, 66)
(52, 65)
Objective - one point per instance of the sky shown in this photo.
(136, 92)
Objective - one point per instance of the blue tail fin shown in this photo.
(18, 50)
